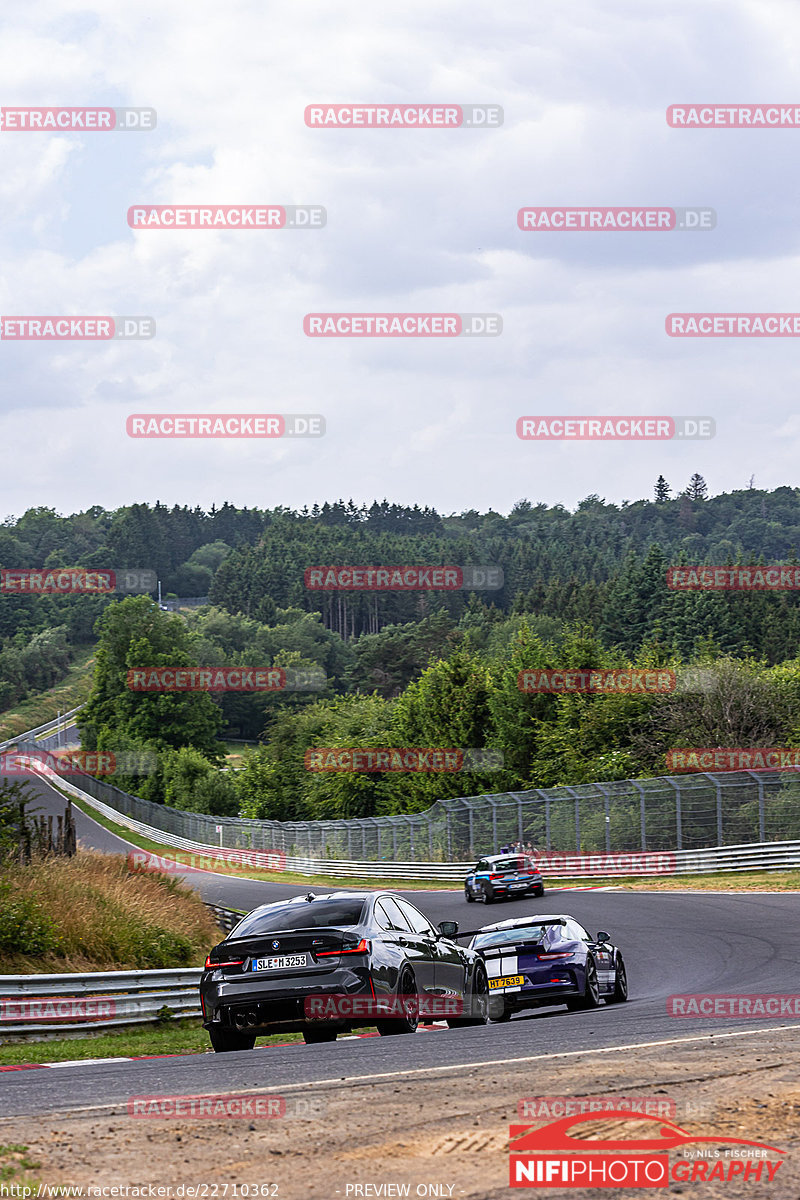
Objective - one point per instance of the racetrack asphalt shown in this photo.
(709, 943)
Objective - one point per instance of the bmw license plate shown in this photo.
(506, 981)
(523, 884)
(281, 963)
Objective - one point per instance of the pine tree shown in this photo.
(662, 490)
(698, 488)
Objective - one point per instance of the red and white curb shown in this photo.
(434, 1027)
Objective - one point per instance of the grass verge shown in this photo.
(37, 710)
(174, 1037)
(735, 881)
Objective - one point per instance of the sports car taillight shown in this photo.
(212, 966)
(363, 947)
(550, 957)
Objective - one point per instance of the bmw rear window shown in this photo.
(311, 914)
(512, 864)
(508, 937)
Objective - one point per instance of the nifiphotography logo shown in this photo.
(563, 1154)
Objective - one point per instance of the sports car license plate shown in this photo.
(281, 963)
(524, 884)
(506, 981)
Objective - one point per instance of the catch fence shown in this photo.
(668, 813)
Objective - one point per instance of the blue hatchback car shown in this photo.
(543, 960)
(503, 876)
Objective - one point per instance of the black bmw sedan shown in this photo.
(323, 965)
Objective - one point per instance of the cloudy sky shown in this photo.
(417, 221)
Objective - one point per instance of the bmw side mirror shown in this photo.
(448, 929)
(603, 936)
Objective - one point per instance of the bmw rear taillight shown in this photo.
(551, 957)
(212, 966)
(363, 947)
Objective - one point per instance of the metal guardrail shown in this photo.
(48, 1004)
(747, 856)
(226, 917)
(33, 735)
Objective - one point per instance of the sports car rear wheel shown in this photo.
(488, 893)
(468, 896)
(498, 1010)
(479, 1003)
(312, 1037)
(591, 991)
(408, 1023)
(620, 993)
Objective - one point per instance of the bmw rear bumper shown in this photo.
(258, 1003)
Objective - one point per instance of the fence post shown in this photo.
(640, 790)
(572, 792)
(607, 807)
(449, 839)
(678, 814)
(494, 826)
(762, 825)
(412, 855)
(471, 838)
(718, 786)
(547, 820)
(519, 819)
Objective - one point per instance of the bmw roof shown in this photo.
(508, 854)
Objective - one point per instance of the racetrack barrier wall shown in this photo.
(749, 856)
(679, 813)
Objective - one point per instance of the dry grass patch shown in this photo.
(91, 913)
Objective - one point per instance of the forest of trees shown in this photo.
(585, 589)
